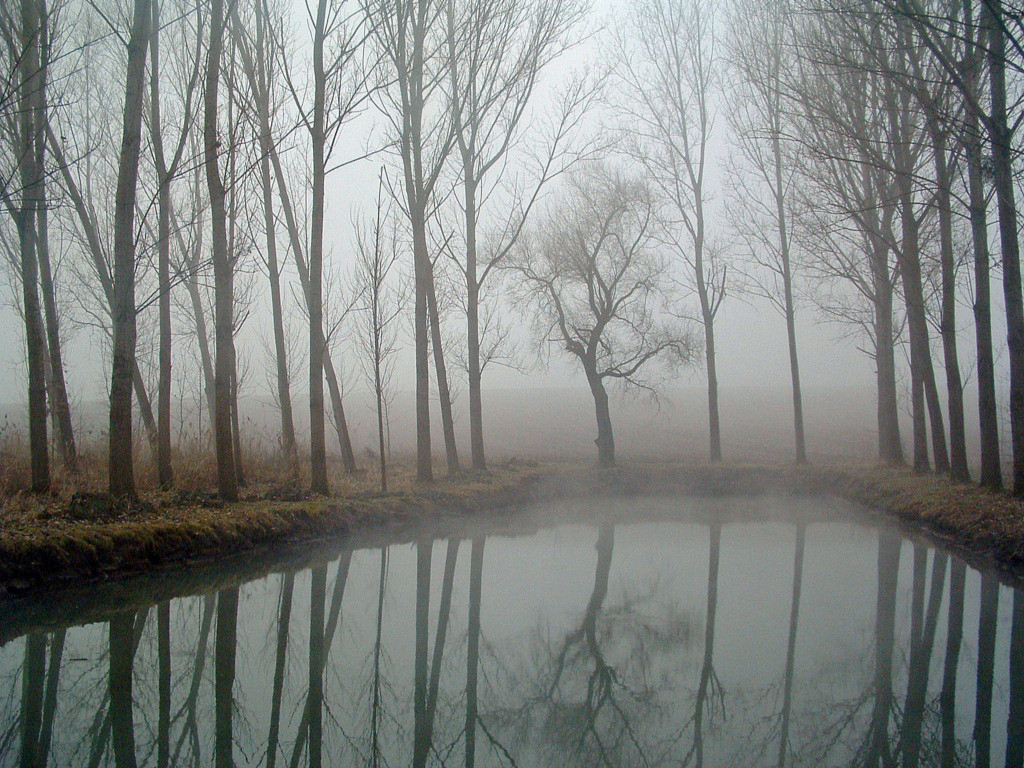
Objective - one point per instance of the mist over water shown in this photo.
(650, 632)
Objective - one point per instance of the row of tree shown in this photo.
(865, 143)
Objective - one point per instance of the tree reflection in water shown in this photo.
(626, 673)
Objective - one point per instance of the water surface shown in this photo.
(654, 632)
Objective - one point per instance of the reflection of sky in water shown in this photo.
(616, 615)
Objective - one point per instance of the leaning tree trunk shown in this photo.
(227, 480)
(121, 470)
(444, 395)
(605, 440)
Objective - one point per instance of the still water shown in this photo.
(644, 633)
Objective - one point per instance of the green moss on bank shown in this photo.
(44, 546)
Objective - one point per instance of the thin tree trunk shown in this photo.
(50, 697)
(284, 619)
(421, 268)
(121, 468)
(165, 471)
(227, 480)
(317, 654)
(794, 617)
(476, 417)
(163, 727)
(318, 447)
(25, 216)
(259, 75)
(954, 641)
(1001, 138)
(348, 457)
(421, 730)
(56, 385)
(476, 569)
(954, 385)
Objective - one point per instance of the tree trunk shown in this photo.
(56, 385)
(224, 673)
(954, 385)
(421, 732)
(227, 481)
(163, 727)
(476, 569)
(954, 641)
(444, 395)
(317, 436)
(890, 446)
(794, 617)
(348, 456)
(165, 471)
(605, 441)
(122, 657)
(988, 416)
(421, 268)
(96, 254)
(476, 412)
(121, 469)
(315, 695)
(878, 746)
(1001, 138)
(32, 684)
(988, 413)
(715, 431)
(280, 658)
(988, 615)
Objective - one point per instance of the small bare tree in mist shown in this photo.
(598, 283)
(666, 65)
(380, 310)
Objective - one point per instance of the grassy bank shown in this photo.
(65, 541)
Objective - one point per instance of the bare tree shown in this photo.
(22, 44)
(381, 310)
(166, 171)
(418, 111)
(595, 278)
(761, 52)
(121, 471)
(667, 65)
(227, 479)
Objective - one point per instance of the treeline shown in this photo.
(871, 159)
